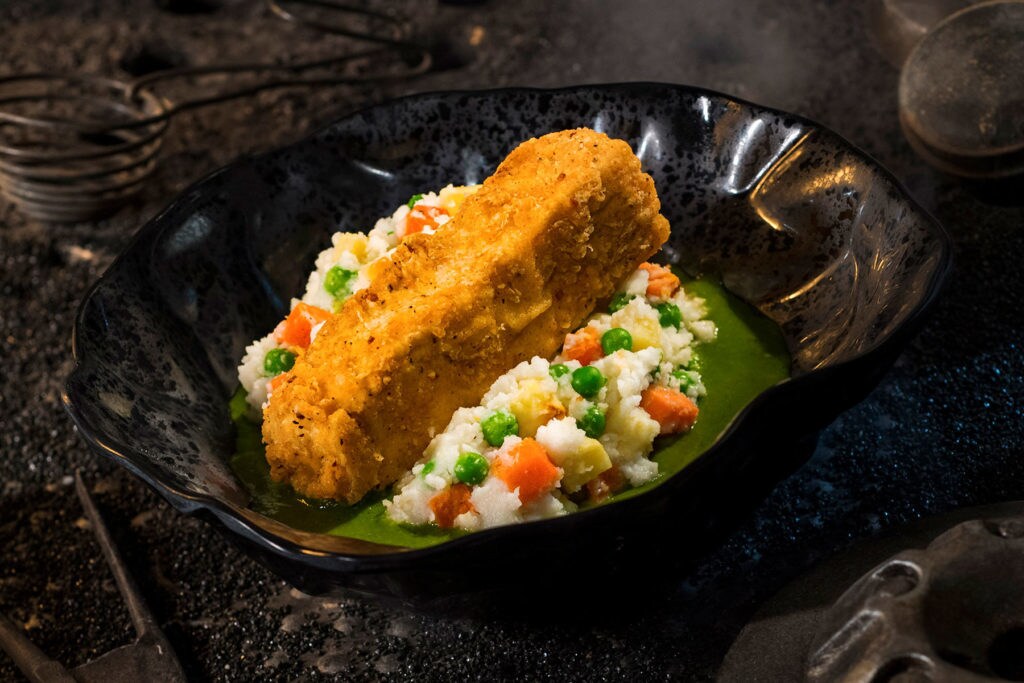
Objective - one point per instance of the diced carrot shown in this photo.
(528, 468)
(423, 216)
(451, 503)
(294, 330)
(671, 409)
(605, 484)
(661, 282)
(583, 346)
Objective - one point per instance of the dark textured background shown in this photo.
(943, 431)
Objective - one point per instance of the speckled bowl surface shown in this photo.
(794, 220)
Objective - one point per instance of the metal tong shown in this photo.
(149, 658)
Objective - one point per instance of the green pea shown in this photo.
(337, 280)
(558, 370)
(413, 199)
(277, 361)
(498, 425)
(669, 315)
(686, 379)
(615, 339)
(471, 468)
(619, 301)
(428, 467)
(592, 423)
(695, 363)
(587, 381)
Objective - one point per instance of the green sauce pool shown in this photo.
(748, 356)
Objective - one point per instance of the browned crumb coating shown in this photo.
(563, 221)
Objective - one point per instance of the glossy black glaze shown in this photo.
(793, 218)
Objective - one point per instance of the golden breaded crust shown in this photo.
(563, 221)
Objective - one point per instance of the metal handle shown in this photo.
(396, 39)
(32, 661)
(173, 108)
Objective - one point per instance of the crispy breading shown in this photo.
(563, 221)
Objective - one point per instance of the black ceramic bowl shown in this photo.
(794, 219)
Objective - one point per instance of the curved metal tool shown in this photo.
(149, 658)
(954, 611)
(938, 600)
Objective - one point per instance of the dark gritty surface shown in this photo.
(944, 429)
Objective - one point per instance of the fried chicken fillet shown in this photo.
(563, 221)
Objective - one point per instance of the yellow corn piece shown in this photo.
(354, 242)
(645, 333)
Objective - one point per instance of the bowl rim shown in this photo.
(289, 541)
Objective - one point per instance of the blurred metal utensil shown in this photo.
(961, 92)
(75, 147)
(961, 88)
(149, 658)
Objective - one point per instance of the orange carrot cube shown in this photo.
(583, 346)
(528, 468)
(450, 503)
(295, 329)
(423, 216)
(662, 283)
(671, 409)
